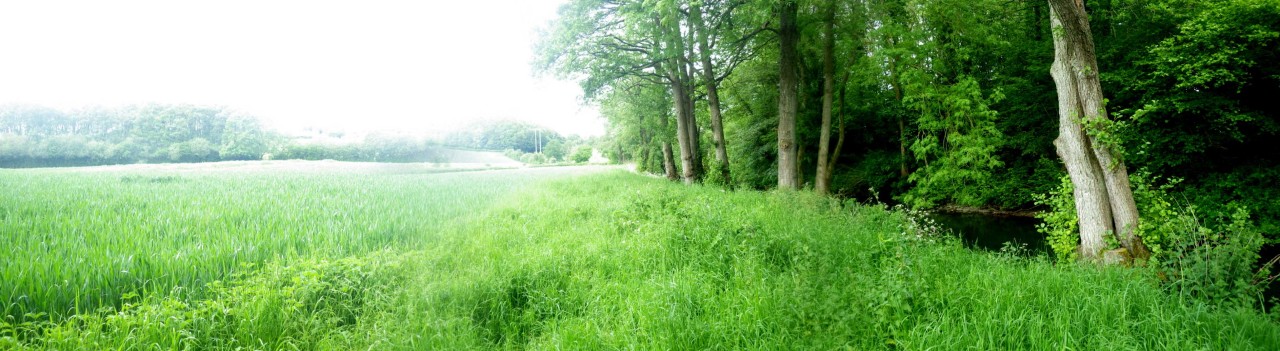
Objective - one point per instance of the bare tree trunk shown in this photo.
(691, 120)
(684, 131)
(787, 99)
(800, 165)
(822, 176)
(668, 160)
(1104, 199)
(839, 116)
(713, 95)
(677, 73)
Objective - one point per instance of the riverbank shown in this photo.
(956, 209)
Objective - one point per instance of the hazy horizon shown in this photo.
(356, 66)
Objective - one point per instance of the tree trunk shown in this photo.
(1104, 199)
(788, 35)
(684, 131)
(691, 120)
(822, 175)
(668, 160)
(839, 116)
(713, 95)
(677, 73)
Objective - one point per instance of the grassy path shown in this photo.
(552, 259)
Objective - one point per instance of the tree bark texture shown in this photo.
(1103, 196)
(788, 106)
(713, 94)
(822, 175)
(677, 73)
(684, 131)
(668, 159)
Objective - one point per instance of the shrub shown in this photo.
(1060, 226)
(582, 154)
(1215, 263)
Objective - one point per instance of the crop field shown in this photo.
(78, 240)
(325, 256)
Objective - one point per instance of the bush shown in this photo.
(1060, 227)
(535, 159)
(1215, 263)
(582, 154)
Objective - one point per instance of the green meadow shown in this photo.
(322, 257)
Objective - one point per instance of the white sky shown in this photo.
(360, 65)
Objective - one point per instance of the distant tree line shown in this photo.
(39, 136)
(522, 141)
(501, 135)
(33, 136)
(376, 147)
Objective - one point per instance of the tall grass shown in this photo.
(620, 261)
(77, 240)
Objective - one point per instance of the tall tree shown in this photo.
(607, 41)
(677, 67)
(1103, 197)
(788, 106)
(826, 156)
(713, 95)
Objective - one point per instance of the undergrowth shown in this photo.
(1210, 261)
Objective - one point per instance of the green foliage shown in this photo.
(1214, 263)
(1195, 93)
(1228, 44)
(638, 115)
(1217, 266)
(502, 135)
(1061, 227)
(304, 304)
(374, 148)
(581, 154)
(194, 150)
(1251, 186)
(956, 145)
(244, 139)
(556, 150)
(534, 159)
(35, 136)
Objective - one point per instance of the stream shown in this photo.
(991, 232)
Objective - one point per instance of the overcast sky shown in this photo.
(403, 65)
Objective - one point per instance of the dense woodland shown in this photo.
(934, 103)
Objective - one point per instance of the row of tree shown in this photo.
(941, 101)
(37, 136)
(523, 141)
(32, 136)
(503, 134)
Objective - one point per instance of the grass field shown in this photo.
(551, 258)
